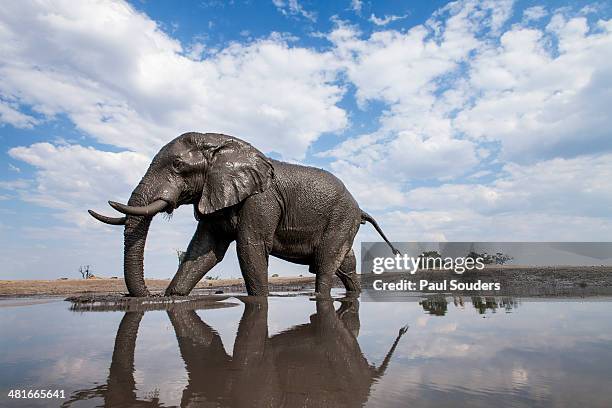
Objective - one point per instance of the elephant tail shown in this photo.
(367, 217)
(383, 366)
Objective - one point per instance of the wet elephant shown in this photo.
(301, 214)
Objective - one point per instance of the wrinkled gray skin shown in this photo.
(301, 214)
(318, 364)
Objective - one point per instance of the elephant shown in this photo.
(318, 364)
(300, 214)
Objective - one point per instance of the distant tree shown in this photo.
(435, 305)
(430, 254)
(501, 258)
(275, 275)
(85, 272)
(482, 304)
(486, 258)
(180, 255)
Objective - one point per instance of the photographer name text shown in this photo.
(443, 285)
(411, 264)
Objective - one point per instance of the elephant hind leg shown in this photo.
(348, 273)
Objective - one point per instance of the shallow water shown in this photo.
(293, 351)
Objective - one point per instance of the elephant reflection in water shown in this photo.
(120, 387)
(316, 364)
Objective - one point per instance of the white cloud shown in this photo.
(535, 102)
(122, 80)
(371, 192)
(15, 184)
(534, 13)
(539, 101)
(593, 8)
(294, 8)
(542, 101)
(196, 50)
(559, 199)
(14, 168)
(73, 178)
(468, 225)
(403, 70)
(406, 156)
(10, 114)
(382, 21)
(356, 6)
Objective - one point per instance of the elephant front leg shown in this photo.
(204, 252)
(254, 240)
(253, 258)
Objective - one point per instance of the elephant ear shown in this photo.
(237, 170)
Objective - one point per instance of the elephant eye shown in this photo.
(178, 164)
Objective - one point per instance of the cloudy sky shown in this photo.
(484, 121)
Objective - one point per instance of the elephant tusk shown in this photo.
(147, 210)
(107, 220)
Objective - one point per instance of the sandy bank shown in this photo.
(117, 286)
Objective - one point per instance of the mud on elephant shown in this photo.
(301, 214)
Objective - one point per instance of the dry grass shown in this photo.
(110, 286)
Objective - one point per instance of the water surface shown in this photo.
(293, 351)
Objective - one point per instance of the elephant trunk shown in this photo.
(135, 237)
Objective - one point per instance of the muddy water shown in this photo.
(298, 352)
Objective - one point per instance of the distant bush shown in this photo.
(430, 254)
(275, 275)
(498, 259)
(85, 272)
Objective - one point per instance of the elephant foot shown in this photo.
(174, 293)
(136, 290)
(180, 287)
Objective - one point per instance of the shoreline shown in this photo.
(108, 286)
(578, 280)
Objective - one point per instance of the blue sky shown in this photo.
(447, 121)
